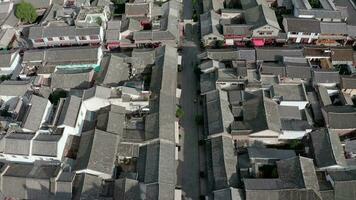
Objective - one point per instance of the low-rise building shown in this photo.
(48, 36)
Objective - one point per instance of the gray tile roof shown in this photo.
(112, 33)
(6, 37)
(252, 3)
(336, 115)
(260, 16)
(67, 79)
(290, 92)
(35, 113)
(112, 121)
(11, 20)
(141, 58)
(247, 54)
(89, 187)
(33, 55)
(93, 155)
(290, 112)
(222, 54)
(127, 189)
(299, 171)
(228, 194)
(5, 7)
(326, 148)
(207, 82)
(70, 111)
(64, 185)
(63, 56)
(297, 68)
(130, 24)
(5, 60)
(72, 55)
(36, 32)
(214, 113)
(348, 82)
(223, 162)
(128, 150)
(168, 25)
(270, 153)
(45, 145)
(29, 181)
(210, 24)
(323, 76)
(324, 96)
(237, 29)
(293, 24)
(14, 88)
(137, 9)
(18, 143)
(342, 175)
(345, 182)
(295, 125)
(333, 28)
(276, 53)
(160, 165)
(163, 86)
(97, 91)
(160, 191)
(297, 180)
(254, 113)
(117, 71)
(350, 146)
(266, 184)
(342, 54)
(272, 114)
(273, 68)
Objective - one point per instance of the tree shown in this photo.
(195, 16)
(5, 77)
(295, 144)
(55, 96)
(179, 112)
(99, 21)
(26, 12)
(118, 1)
(119, 6)
(199, 120)
(315, 3)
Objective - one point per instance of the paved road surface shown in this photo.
(190, 166)
(187, 9)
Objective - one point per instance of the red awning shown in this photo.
(258, 42)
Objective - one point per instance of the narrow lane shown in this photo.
(190, 166)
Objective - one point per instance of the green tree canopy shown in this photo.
(55, 96)
(179, 112)
(26, 12)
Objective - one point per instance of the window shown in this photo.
(39, 40)
(50, 39)
(82, 38)
(61, 38)
(94, 37)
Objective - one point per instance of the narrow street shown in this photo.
(190, 137)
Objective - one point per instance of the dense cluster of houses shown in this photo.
(89, 99)
(277, 82)
(269, 111)
(78, 121)
(265, 22)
